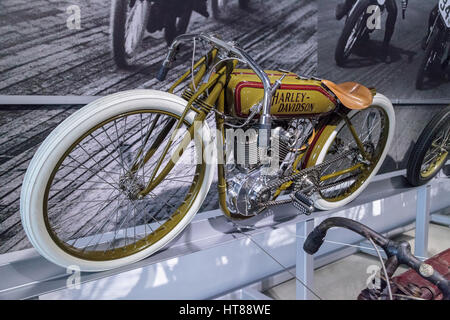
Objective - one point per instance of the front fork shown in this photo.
(215, 87)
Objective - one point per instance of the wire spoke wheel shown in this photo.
(437, 154)
(430, 152)
(92, 207)
(372, 128)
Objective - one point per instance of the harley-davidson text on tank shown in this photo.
(292, 101)
(296, 97)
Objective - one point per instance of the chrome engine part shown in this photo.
(247, 178)
(246, 147)
(244, 192)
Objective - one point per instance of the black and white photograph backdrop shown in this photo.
(47, 50)
(54, 47)
(386, 46)
(59, 47)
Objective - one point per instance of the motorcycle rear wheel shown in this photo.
(79, 202)
(375, 127)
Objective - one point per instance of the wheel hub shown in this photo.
(131, 186)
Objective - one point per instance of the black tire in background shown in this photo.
(360, 10)
(440, 122)
(118, 24)
(425, 64)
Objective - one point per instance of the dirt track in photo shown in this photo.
(39, 55)
(395, 80)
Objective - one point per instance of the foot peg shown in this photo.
(302, 203)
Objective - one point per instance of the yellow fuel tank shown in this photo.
(295, 98)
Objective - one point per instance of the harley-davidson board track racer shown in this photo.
(123, 176)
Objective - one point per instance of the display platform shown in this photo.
(217, 259)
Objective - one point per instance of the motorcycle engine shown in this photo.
(246, 178)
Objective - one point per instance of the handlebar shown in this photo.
(232, 50)
(162, 73)
(400, 250)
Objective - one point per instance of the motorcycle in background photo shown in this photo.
(130, 19)
(436, 45)
(357, 27)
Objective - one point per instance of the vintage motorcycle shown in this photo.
(429, 280)
(123, 176)
(431, 150)
(357, 27)
(131, 18)
(436, 45)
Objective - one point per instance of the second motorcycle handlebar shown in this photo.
(401, 250)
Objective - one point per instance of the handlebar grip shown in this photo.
(162, 74)
(314, 241)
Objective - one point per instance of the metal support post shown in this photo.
(422, 221)
(304, 262)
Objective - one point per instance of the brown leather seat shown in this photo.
(351, 94)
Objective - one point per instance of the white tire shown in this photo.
(382, 102)
(53, 148)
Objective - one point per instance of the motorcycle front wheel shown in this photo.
(80, 203)
(430, 59)
(430, 152)
(128, 23)
(375, 127)
(353, 31)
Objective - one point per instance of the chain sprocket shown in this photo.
(312, 173)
